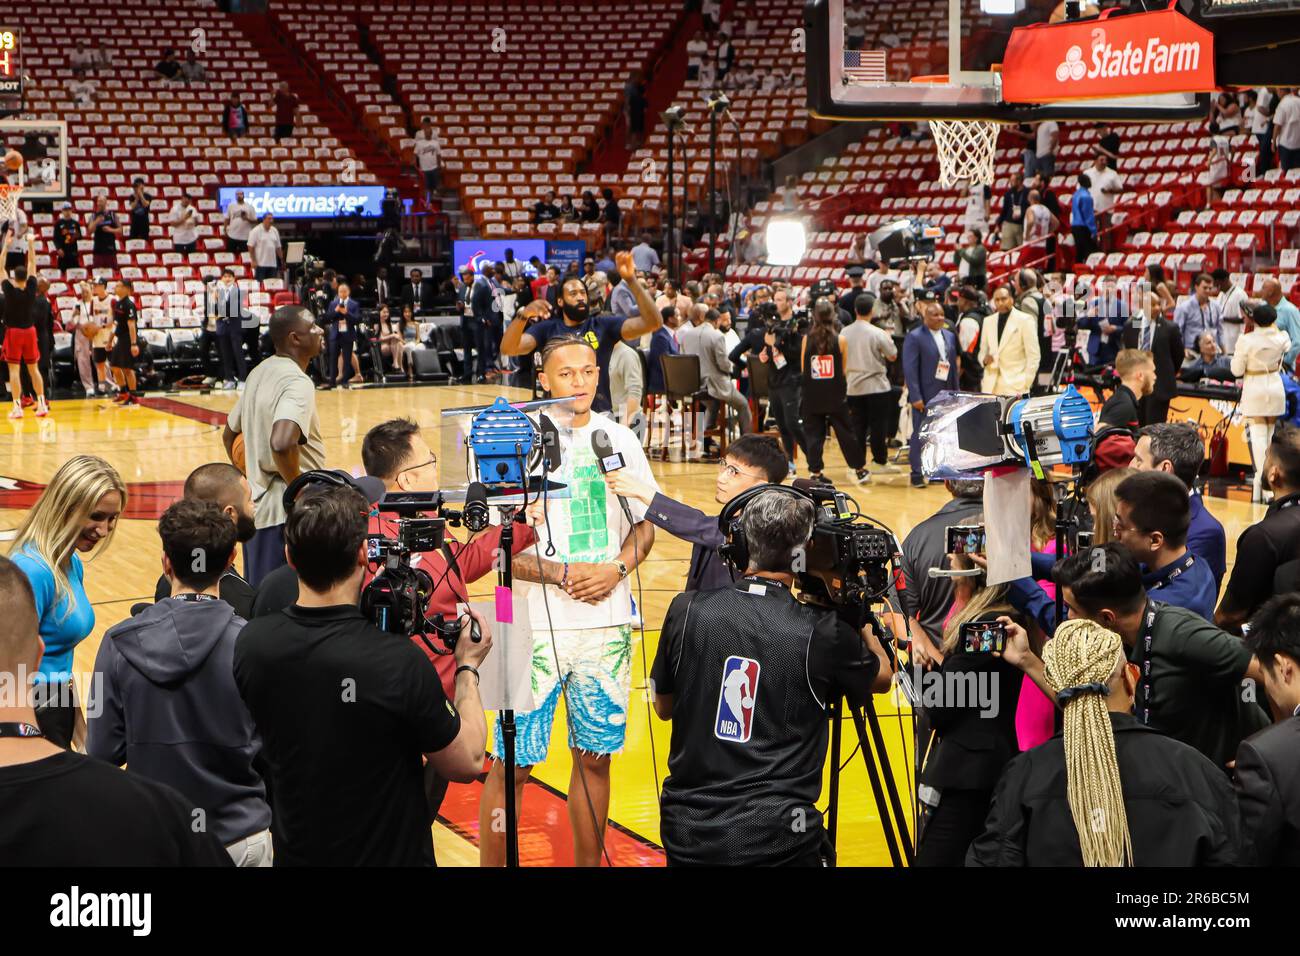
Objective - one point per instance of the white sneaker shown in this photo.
(886, 469)
(42, 409)
(862, 477)
(228, 386)
(16, 412)
(209, 381)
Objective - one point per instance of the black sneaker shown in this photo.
(918, 481)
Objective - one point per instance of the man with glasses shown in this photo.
(750, 461)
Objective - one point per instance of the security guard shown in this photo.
(746, 673)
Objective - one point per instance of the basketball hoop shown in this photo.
(9, 202)
(966, 150)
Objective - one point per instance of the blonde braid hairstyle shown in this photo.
(1081, 653)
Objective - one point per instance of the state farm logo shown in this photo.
(1155, 58)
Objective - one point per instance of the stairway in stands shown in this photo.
(278, 49)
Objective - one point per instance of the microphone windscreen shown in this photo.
(551, 453)
(476, 507)
(601, 445)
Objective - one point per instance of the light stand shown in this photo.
(674, 119)
(505, 579)
(718, 104)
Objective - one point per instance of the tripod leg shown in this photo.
(833, 800)
(899, 817)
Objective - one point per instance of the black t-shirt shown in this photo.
(234, 590)
(276, 592)
(124, 313)
(345, 712)
(105, 241)
(67, 232)
(1121, 408)
(74, 810)
(751, 672)
(19, 302)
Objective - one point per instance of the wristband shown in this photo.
(471, 669)
(565, 580)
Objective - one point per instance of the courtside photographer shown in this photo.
(746, 673)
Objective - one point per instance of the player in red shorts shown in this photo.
(20, 344)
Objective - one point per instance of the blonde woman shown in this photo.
(75, 514)
(1257, 359)
(1101, 503)
(975, 733)
(1108, 791)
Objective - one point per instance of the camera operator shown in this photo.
(1107, 791)
(775, 338)
(749, 739)
(346, 711)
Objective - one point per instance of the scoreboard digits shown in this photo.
(11, 68)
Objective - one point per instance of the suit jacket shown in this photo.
(661, 343)
(707, 570)
(420, 299)
(1268, 792)
(353, 318)
(715, 367)
(1166, 345)
(921, 361)
(1015, 354)
(226, 305)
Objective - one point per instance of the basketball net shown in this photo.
(9, 194)
(966, 150)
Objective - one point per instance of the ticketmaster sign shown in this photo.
(308, 202)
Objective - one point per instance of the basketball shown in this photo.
(13, 161)
(237, 454)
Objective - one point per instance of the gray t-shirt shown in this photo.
(869, 349)
(277, 390)
(625, 378)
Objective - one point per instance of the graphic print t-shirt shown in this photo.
(588, 526)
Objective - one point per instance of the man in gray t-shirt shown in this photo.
(276, 414)
(871, 401)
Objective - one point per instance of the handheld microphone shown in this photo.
(476, 514)
(609, 460)
(551, 455)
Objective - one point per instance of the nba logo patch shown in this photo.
(736, 700)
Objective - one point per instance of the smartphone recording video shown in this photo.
(983, 637)
(966, 539)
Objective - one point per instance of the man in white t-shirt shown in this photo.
(977, 207)
(1286, 130)
(264, 248)
(428, 156)
(240, 219)
(581, 610)
(1041, 156)
(1229, 299)
(184, 219)
(1107, 187)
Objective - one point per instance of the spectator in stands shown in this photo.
(545, 210)
(1108, 144)
(1160, 289)
(105, 230)
(1265, 770)
(67, 233)
(193, 70)
(1288, 318)
(1209, 364)
(1225, 115)
(644, 255)
(1257, 360)
(1260, 117)
(611, 215)
(184, 222)
(428, 156)
(1014, 202)
(1268, 553)
(1197, 314)
(1217, 173)
(1047, 136)
(265, 249)
(972, 258)
(141, 199)
(1176, 448)
(930, 367)
(168, 67)
(634, 109)
(234, 117)
(567, 211)
(1083, 220)
(1107, 187)
(240, 219)
(976, 216)
(418, 293)
(82, 59)
(163, 673)
(286, 111)
(1009, 349)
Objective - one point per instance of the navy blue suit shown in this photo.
(661, 343)
(707, 571)
(231, 309)
(340, 342)
(920, 365)
(1102, 310)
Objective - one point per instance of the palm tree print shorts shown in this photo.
(594, 674)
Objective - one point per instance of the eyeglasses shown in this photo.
(729, 471)
(433, 460)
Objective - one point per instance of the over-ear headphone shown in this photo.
(735, 550)
(322, 477)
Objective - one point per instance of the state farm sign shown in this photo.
(1135, 55)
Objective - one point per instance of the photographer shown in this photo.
(749, 739)
(345, 711)
(974, 722)
(775, 338)
(1107, 791)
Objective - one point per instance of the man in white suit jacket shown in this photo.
(1009, 349)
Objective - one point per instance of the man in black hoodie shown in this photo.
(164, 700)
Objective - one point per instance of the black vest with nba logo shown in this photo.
(751, 671)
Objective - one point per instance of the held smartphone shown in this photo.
(966, 539)
(1083, 540)
(983, 637)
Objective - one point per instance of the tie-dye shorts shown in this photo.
(594, 674)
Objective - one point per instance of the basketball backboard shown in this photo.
(872, 59)
(44, 146)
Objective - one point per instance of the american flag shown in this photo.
(864, 66)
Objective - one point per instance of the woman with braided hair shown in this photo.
(1108, 790)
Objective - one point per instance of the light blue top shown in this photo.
(60, 630)
(1288, 320)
